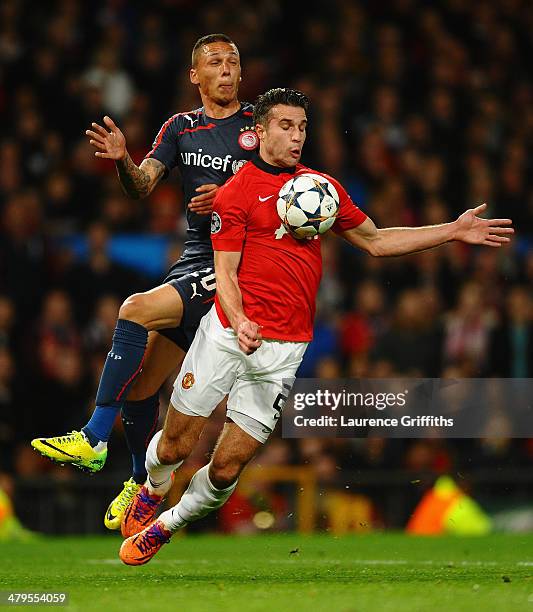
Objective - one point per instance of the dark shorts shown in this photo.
(195, 282)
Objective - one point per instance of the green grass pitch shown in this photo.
(378, 572)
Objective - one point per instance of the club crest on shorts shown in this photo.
(188, 380)
(216, 223)
(248, 139)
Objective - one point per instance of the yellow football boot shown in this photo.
(73, 448)
(116, 509)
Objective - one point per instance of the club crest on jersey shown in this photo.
(237, 165)
(188, 380)
(248, 139)
(216, 223)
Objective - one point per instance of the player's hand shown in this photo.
(110, 145)
(475, 230)
(202, 204)
(249, 336)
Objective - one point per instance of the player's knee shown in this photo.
(134, 308)
(223, 472)
(170, 451)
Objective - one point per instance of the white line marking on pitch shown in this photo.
(299, 560)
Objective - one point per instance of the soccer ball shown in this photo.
(308, 205)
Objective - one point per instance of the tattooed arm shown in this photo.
(137, 181)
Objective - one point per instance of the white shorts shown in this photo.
(257, 384)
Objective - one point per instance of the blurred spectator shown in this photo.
(60, 208)
(409, 345)
(99, 276)
(55, 333)
(99, 333)
(23, 250)
(8, 412)
(511, 342)
(360, 328)
(467, 330)
(115, 84)
(165, 210)
(7, 322)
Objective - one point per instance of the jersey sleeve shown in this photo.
(165, 147)
(229, 218)
(350, 215)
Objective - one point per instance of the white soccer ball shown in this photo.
(308, 205)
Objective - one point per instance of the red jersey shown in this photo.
(278, 274)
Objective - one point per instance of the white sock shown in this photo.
(99, 447)
(200, 498)
(158, 481)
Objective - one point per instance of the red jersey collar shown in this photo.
(262, 165)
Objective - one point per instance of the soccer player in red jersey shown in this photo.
(254, 338)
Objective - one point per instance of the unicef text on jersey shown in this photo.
(212, 161)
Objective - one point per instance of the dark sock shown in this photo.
(122, 366)
(140, 424)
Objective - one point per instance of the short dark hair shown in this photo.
(280, 95)
(206, 40)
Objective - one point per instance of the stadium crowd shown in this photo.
(420, 109)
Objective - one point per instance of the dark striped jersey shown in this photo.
(205, 150)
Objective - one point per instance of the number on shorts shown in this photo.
(208, 282)
(281, 398)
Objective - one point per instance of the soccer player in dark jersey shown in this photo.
(254, 337)
(155, 329)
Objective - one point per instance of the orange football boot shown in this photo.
(141, 547)
(141, 512)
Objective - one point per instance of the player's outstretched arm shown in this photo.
(403, 240)
(137, 181)
(230, 297)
